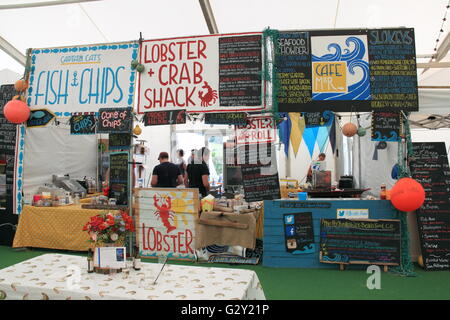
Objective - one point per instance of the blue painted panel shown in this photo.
(275, 254)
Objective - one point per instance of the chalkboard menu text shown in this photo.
(386, 126)
(115, 120)
(360, 241)
(118, 177)
(299, 233)
(233, 118)
(429, 166)
(83, 124)
(240, 66)
(156, 118)
(119, 141)
(7, 129)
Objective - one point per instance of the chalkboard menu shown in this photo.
(259, 172)
(118, 177)
(10, 168)
(240, 67)
(83, 124)
(360, 241)
(7, 129)
(386, 126)
(313, 119)
(429, 167)
(119, 141)
(156, 118)
(233, 118)
(115, 120)
(299, 233)
(347, 70)
(40, 118)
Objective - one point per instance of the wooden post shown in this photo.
(385, 268)
(341, 267)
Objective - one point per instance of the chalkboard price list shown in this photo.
(393, 70)
(293, 61)
(240, 65)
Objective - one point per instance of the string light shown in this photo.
(441, 30)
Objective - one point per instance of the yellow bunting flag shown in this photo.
(298, 126)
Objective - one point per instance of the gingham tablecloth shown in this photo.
(58, 276)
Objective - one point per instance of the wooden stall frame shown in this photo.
(135, 207)
(386, 266)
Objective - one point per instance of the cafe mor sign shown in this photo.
(166, 222)
(82, 78)
(202, 74)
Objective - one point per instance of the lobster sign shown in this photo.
(209, 73)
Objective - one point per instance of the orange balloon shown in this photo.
(21, 85)
(407, 195)
(349, 129)
(16, 111)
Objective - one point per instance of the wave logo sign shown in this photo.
(340, 68)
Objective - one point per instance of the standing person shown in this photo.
(321, 157)
(180, 162)
(166, 174)
(192, 156)
(198, 172)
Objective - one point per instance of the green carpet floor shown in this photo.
(300, 284)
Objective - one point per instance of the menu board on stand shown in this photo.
(430, 168)
(118, 173)
(347, 70)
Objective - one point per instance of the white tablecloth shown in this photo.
(57, 276)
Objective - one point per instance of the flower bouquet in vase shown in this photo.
(109, 230)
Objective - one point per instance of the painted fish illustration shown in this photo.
(37, 115)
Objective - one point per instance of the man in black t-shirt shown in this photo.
(166, 174)
(198, 172)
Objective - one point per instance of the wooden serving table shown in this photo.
(54, 227)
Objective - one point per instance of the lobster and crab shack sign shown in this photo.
(212, 73)
(166, 222)
(86, 77)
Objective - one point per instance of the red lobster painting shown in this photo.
(164, 212)
(210, 96)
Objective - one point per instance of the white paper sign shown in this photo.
(202, 74)
(352, 213)
(259, 129)
(110, 257)
(82, 78)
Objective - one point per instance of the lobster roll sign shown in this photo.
(165, 220)
(213, 73)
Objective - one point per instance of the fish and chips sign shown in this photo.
(82, 78)
(213, 73)
(166, 222)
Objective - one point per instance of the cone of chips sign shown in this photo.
(407, 195)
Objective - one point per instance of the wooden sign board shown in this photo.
(156, 118)
(430, 168)
(165, 220)
(360, 241)
(115, 120)
(386, 126)
(83, 124)
(211, 73)
(347, 70)
(259, 129)
(82, 78)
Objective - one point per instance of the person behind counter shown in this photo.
(321, 157)
(166, 174)
(180, 162)
(198, 172)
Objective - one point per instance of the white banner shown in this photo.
(82, 78)
(211, 73)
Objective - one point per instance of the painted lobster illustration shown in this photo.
(209, 97)
(164, 212)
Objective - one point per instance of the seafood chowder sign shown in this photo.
(166, 222)
(82, 78)
(211, 73)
